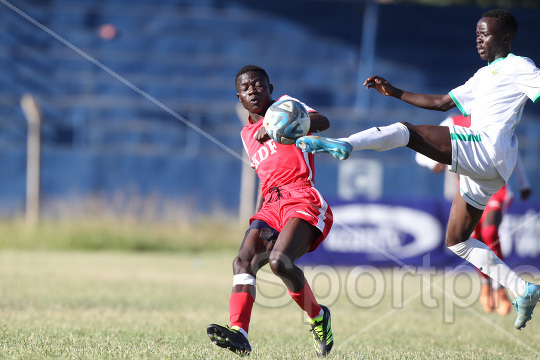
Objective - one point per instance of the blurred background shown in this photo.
(137, 103)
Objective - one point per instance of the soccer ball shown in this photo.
(286, 120)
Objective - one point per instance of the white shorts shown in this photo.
(479, 178)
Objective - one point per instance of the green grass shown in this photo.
(140, 305)
(121, 233)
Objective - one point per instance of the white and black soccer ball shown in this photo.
(286, 120)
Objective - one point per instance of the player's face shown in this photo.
(491, 42)
(254, 92)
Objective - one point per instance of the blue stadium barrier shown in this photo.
(184, 55)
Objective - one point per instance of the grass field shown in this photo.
(129, 305)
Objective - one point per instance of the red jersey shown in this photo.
(276, 164)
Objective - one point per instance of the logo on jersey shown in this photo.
(304, 213)
(268, 148)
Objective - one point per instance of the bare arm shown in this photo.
(424, 101)
(319, 122)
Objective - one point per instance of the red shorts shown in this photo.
(297, 200)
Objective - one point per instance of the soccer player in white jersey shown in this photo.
(292, 218)
(484, 155)
(492, 295)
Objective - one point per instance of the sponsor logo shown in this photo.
(304, 213)
(376, 229)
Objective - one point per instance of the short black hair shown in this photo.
(505, 19)
(248, 68)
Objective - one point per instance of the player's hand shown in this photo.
(525, 193)
(381, 85)
(261, 135)
(439, 168)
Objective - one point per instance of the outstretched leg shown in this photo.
(463, 218)
(430, 140)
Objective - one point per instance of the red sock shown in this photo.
(490, 236)
(240, 305)
(306, 300)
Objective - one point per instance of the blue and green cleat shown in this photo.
(525, 304)
(337, 148)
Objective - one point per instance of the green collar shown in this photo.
(500, 59)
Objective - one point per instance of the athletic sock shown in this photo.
(481, 256)
(240, 305)
(306, 300)
(380, 138)
(490, 235)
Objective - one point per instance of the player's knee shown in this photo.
(280, 264)
(240, 265)
(277, 266)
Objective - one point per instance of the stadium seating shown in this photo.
(163, 89)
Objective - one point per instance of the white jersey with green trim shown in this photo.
(494, 99)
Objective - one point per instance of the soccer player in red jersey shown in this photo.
(492, 295)
(292, 218)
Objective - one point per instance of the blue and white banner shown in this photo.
(412, 232)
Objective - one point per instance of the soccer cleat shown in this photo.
(525, 304)
(322, 333)
(337, 148)
(228, 338)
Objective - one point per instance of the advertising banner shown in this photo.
(412, 232)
